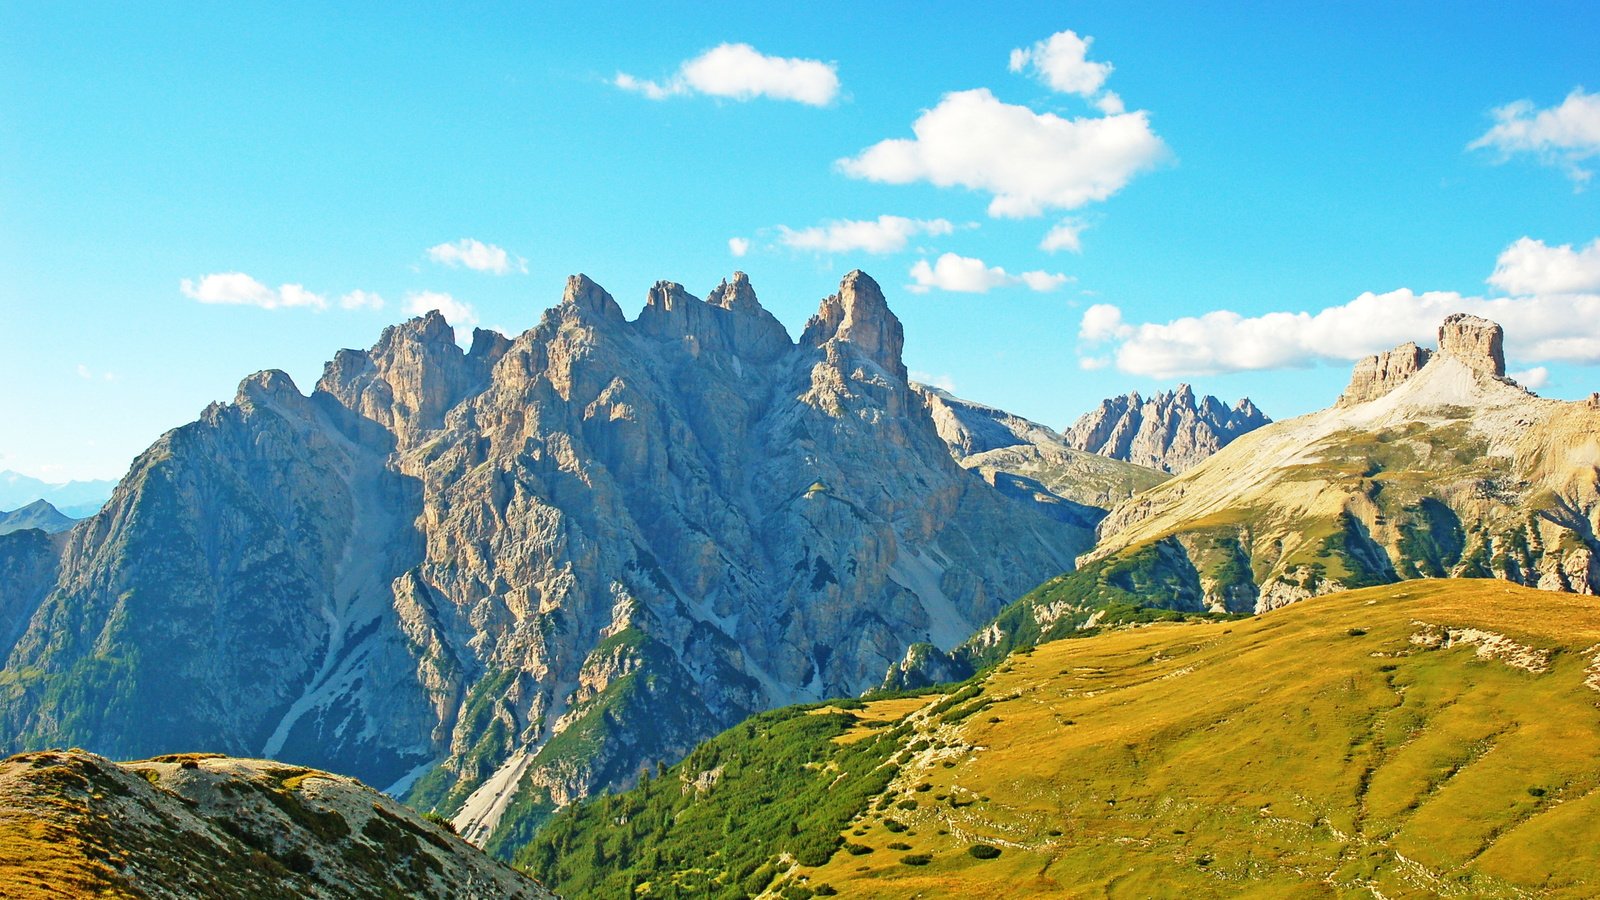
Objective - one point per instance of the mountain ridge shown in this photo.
(1171, 431)
(683, 519)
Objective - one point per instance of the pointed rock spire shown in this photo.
(589, 298)
(860, 316)
(736, 295)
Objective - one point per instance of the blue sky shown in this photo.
(1283, 160)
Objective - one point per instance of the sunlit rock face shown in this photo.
(537, 565)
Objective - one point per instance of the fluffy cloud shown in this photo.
(1064, 236)
(1029, 161)
(1532, 379)
(942, 382)
(1060, 61)
(1540, 327)
(1562, 135)
(888, 234)
(1530, 267)
(477, 256)
(1102, 322)
(457, 313)
(239, 289)
(361, 300)
(740, 72)
(965, 275)
(738, 246)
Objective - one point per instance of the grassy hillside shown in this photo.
(1431, 737)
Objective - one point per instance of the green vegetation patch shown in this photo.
(782, 785)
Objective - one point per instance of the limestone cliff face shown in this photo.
(518, 574)
(1381, 373)
(1171, 431)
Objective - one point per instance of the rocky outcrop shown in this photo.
(1171, 431)
(201, 825)
(502, 579)
(1476, 343)
(1381, 373)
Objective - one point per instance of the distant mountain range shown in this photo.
(76, 499)
(1171, 431)
(38, 514)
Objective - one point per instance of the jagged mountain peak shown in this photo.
(586, 297)
(266, 385)
(480, 571)
(735, 294)
(860, 316)
(1170, 431)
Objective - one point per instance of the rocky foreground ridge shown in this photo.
(73, 824)
(499, 580)
(1171, 431)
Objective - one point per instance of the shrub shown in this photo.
(894, 825)
(916, 859)
(898, 845)
(855, 849)
(983, 851)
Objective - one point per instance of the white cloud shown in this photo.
(477, 256)
(1101, 322)
(1029, 161)
(886, 234)
(1093, 363)
(738, 246)
(239, 289)
(1532, 379)
(457, 313)
(1531, 267)
(83, 371)
(1064, 236)
(1111, 104)
(1562, 135)
(740, 72)
(361, 300)
(1539, 327)
(965, 275)
(1059, 61)
(942, 382)
(1043, 281)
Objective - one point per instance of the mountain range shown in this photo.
(76, 499)
(503, 580)
(470, 577)
(1171, 431)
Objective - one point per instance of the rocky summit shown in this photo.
(498, 580)
(1171, 431)
(1432, 464)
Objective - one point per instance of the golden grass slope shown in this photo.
(1436, 737)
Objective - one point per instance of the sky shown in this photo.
(1062, 201)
